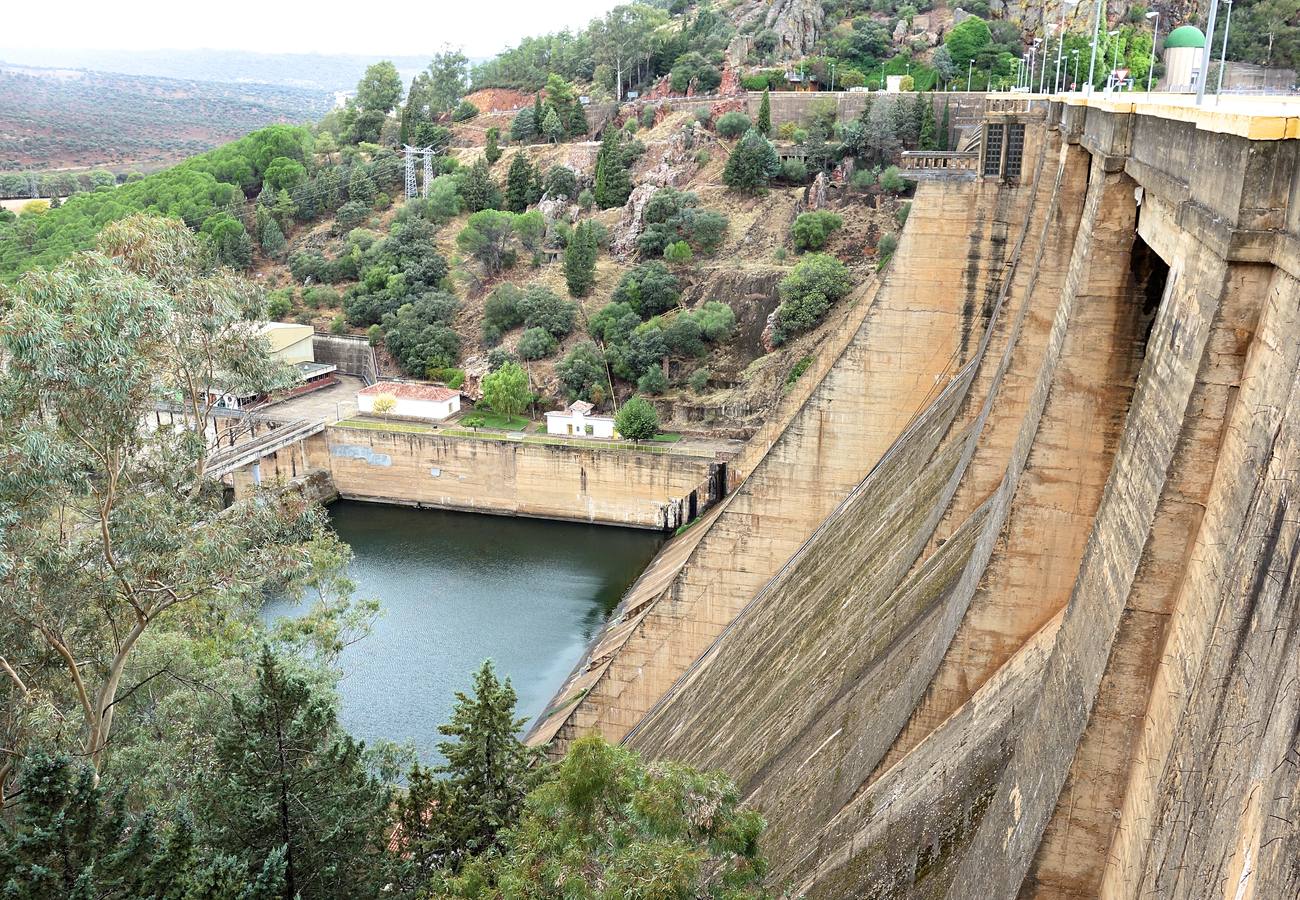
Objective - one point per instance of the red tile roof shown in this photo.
(406, 391)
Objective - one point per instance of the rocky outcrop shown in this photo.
(797, 23)
(632, 222)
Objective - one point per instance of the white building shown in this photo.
(409, 401)
(578, 420)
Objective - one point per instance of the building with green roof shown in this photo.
(1184, 47)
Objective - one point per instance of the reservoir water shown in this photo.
(458, 588)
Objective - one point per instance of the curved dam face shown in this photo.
(1006, 604)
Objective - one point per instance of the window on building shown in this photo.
(993, 148)
(1015, 150)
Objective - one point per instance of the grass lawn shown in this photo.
(505, 423)
(667, 438)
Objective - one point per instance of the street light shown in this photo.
(1204, 73)
(970, 70)
(1060, 43)
(1223, 57)
(1033, 49)
(1155, 33)
(1096, 33)
(1113, 80)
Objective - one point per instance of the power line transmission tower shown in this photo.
(409, 153)
(428, 170)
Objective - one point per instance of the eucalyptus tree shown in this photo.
(108, 527)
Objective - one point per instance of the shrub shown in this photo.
(374, 334)
(812, 229)
(794, 171)
(903, 212)
(678, 253)
(752, 164)
(543, 308)
(703, 157)
(501, 312)
(862, 179)
(786, 131)
(797, 371)
(893, 181)
(648, 116)
(717, 321)
(885, 249)
(637, 420)
(464, 111)
(586, 199)
(652, 382)
(733, 124)
(279, 303)
(648, 289)
(582, 372)
(337, 325)
(316, 297)
(699, 380)
(807, 292)
(536, 343)
(561, 182)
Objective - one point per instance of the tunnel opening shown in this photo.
(1148, 275)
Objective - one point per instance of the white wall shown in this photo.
(558, 423)
(431, 410)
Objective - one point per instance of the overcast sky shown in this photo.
(480, 27)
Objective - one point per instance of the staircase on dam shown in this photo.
(1005, 605)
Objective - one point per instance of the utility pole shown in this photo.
(970, 70)
(1202, 75)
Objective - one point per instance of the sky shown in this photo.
(328, 26)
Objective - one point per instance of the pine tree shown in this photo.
(477, 188)
(552, 129)
(488, 769)
(492, 151)
(580, 260)
(613, 184)
(764, 124)
(519, 182)
(945, 129)
(287, 776)
(68, 839)
(752, 164)
(539, 114)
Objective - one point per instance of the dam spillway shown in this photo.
(1006, 609)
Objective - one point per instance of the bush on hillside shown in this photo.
(808, 292)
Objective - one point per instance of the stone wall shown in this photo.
(964, 109)
(352, 355)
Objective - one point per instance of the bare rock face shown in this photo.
(632, 222)
(475, 368)
(797, 23)
(816, 197)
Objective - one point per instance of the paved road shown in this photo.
(336, 402)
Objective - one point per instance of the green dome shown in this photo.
(1185, 36)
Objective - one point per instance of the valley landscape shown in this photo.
(732, 449)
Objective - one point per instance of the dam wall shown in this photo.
(641, 489)
(1046, 645)
(921, 327)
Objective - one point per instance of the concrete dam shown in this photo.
(1003, 604)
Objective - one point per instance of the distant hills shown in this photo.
(61, 118)
(315, 71)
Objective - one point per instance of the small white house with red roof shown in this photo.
(430, 402)
(577, 420)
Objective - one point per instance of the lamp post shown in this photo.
(1075, 54)
(1060, 43)
(1096, 33)
(1033, 51)
(832, 78)
(1155, 33)
(1042, 78)
(1223, 54)
(1113, 78)
(970, 70)
(1204, 73)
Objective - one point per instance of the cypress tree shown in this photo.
(577, 123)
(492, 151)
(928, 139)
(945, 129)
(764, 124)
(613, 184)
(539, 114)
(580, 260)
(519, 182)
